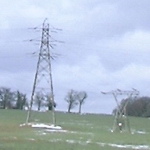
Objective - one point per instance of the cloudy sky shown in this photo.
(106, 47)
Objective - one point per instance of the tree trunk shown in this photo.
(80, 108)
(39, 107)
(69, 108)
(4, 103)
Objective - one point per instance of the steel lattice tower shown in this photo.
(43, 76)
(121, 114)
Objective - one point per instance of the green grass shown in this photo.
(84, 132)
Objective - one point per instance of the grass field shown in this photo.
(80, 132)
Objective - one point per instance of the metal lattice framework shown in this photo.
(43, 76)
(121, 120)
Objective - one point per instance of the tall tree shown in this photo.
(81, 96)
(6, 97)
(71, 99)
(20, 100)
(39, 100)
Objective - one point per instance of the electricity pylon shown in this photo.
(43, 76)
(121, 119)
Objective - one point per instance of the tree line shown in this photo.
(12, 99)
(17, 100)
(139, 107)
(9, 99)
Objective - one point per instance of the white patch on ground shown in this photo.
(139, 132)
(41, 125)
(31, 139)
(86, 133)
(46, 131)
(53, 130)
(43, 133)
(21, 125)
(55, 140)
(137, 147)
(130, 146)
(26, 124)
(79, 142)
(71, 141)
(88, 141)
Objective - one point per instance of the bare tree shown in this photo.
(81, 96)
(39, 99)
(71, 100)
(49, 103)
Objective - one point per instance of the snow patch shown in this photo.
(31, 139)
(53, 130)
(130, 146)
(71, 141)
(137, 147)
(45, 131)
(25, 124)
(55, 140)
(52, 127)
(21, 125)
(141, 132)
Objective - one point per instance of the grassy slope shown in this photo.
(84, 132)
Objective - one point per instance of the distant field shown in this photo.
(80, 132)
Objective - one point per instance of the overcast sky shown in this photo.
(106, 47)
